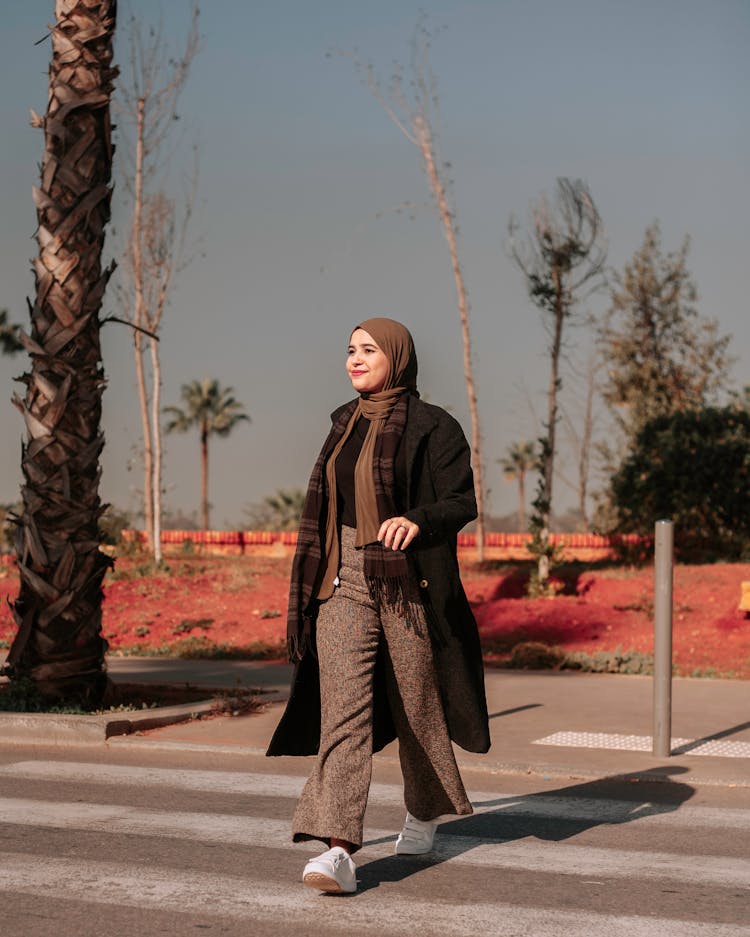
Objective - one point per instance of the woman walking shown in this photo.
(379, 627)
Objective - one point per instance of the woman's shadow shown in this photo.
(603, 802)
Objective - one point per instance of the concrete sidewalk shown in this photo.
(270, 678)
(543, 723)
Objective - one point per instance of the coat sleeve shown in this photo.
(448, 461)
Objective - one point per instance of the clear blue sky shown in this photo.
(300, 168)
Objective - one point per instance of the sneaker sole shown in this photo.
(323, 883)
(413, 852)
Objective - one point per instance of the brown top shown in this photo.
(347, 459)
(345, 463)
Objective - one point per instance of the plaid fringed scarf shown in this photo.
(386, 571)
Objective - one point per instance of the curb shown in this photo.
(64, 729)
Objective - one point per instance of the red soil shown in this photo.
(611, 608)
(242, 600)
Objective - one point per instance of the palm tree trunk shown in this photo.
(521, 501)
(58, 611)
(204, 478)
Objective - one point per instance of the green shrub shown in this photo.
(200, 647)
(23, 696)
(535, 655)
(617, 661)
(692, 467)
(187, 625)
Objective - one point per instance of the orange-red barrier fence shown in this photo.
(497, 545)
(503, 546)
(251, 537)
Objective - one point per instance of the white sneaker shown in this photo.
(416, 837)
(333, 871)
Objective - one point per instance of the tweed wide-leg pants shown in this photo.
(350, 627)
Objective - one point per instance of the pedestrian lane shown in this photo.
(147, 838)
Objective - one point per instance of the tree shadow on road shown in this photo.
(714, 737)
(516, 709)
(553, 816)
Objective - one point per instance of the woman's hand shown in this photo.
(397, 533)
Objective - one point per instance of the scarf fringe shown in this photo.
(294, 648)
(395, 592)
(299, 643)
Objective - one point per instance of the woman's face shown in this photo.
(366, 364)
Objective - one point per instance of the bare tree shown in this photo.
(413, 107)
(562, 259)
(59, 643)
(581, 439)
(662, 355)
(156, 249)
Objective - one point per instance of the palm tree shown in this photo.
(9, 341)
(281, 511)
(214, 411)
(59, 645)
(519, 460)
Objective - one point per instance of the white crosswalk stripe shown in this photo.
(251, 896)
(273, 834)
(232, 896)
(237, 782)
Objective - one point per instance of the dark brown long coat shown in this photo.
(440, 498)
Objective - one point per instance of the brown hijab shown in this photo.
(395, 341)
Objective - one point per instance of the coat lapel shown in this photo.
(420, 422)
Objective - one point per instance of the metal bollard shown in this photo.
(663, 574)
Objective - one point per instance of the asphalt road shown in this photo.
(120, 842)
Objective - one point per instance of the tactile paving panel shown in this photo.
(644, 743)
